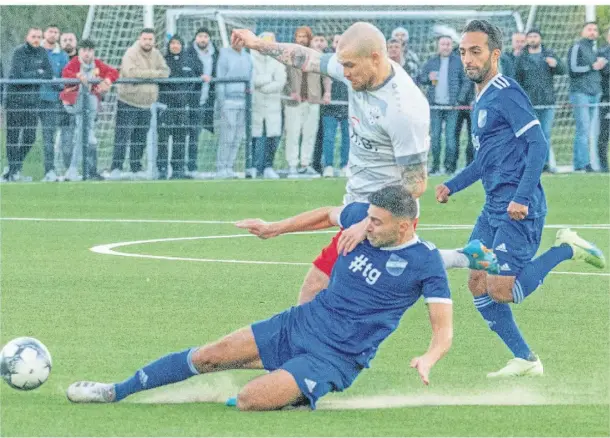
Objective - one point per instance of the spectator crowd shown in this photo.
(307, 108)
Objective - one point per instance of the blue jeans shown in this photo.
(583, 115)
(436, 126)
(546, 117)
(329, 125)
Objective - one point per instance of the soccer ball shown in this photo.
(25, 363)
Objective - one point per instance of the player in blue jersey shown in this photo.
(323, 345)
(510, 151)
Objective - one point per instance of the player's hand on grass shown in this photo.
(351, 237)
(517, 211)
(246, 36)
(442, 193)
(258, 227)
(423, 366)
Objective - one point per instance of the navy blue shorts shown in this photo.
(515, 243)
(317, 368)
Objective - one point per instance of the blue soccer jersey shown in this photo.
(502, 114)
(369, 291)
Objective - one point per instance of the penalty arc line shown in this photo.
(109, 249)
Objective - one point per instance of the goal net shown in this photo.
(115, 28)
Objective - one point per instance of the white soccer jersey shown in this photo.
(389, 128)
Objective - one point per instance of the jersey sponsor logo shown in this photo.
(362, 142)
(355, 120)
(501, 247)
(361, 264)
(396, 265)
(311, 385)
(482, 118)
(373, 115)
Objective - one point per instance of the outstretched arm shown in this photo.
(320, 218)
(441, 319)
(294, 55)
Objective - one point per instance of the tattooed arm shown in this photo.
(294, 55)
(415, 178)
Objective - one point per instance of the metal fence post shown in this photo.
(248, 128)
(84, 100)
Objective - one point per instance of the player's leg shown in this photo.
(237, 350)
(498, 316)
(269, 392)
(319, 274)
(520, 274)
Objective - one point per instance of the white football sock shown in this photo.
(454, 259)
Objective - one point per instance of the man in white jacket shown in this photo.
(269, 78)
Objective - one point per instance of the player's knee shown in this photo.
(477, 283)
(500, 293)
(209, 357)
(248, 400)
(314, 282)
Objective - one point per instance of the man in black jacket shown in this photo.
(173, 121)
(604, 110)
(534, 70)
(29, 61)
(203, 96)
(585, 90)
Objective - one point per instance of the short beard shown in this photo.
(203, 47)
(484, 70)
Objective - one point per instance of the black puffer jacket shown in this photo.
(180, 66)
(28, 63)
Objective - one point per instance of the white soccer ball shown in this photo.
(25, 363)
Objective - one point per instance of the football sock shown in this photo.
(452, 258)
(533, 274)
(500, 319)
(172, 368)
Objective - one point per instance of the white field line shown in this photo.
(422, 226)
(109, 249)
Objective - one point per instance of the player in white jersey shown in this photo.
(389, 127)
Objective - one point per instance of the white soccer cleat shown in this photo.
(91, 392)
(518, 367)
(329, 172)
(51, 176)
(582, 249)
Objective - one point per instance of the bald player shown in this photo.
(389, 142)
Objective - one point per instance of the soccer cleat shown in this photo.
(329, 172)
(231, 402)
(582, 249)
(91, 392)
(480, 258)
(518, 367)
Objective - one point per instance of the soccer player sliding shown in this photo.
(323, 345)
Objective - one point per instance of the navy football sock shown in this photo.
(500, 319)
(172, 368)
(533, 274)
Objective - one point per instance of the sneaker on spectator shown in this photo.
(115, 175)
(51, 176)
(72, 175)
(139, 175)
(292, 172)
(95, 177)
(309, 172)
(329, 172)
(343, 172)
(269, 173)
(251, 173)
